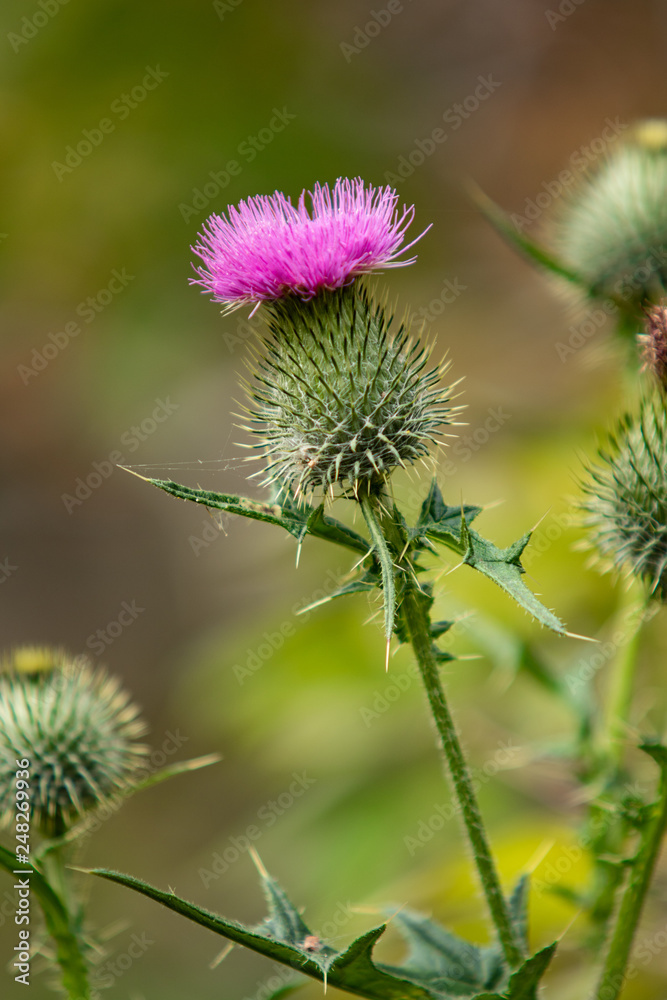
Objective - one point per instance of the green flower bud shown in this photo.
(77, 729)
(626, 497)
(339, 398)
(612, 230)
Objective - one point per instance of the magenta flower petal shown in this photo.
(266, 248)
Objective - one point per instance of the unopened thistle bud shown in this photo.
(654, 345)
(626, 497)
(77, 729)
(612, 230)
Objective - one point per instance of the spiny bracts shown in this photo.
(338, 397)
(626, 497)
(612, 230)
(75, 726)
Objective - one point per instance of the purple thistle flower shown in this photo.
(266, 248)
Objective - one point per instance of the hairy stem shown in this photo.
(613, 975)
(62, 925)
(414, 610)
(633, 614)
(614, 827)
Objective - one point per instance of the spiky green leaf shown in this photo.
(440, 966)
(299, 519)
(524, 982)
(351, 970)
(438, 520)
(503, 566)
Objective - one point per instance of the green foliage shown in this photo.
(437, 522)
(440, 966)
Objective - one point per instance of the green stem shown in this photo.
(418, 623)
(613, 975)
(60, 924)
(63, 927)
(621, 684)
(415, 612)
(612, 829)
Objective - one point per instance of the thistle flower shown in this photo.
(75, 726)
(338, 398)
(626, 497)
(266, 248)
(612, 231)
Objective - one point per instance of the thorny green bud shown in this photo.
(75, 726)
(626, 497)
(612, 230)
(338, 397)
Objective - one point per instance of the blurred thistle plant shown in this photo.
(68, 749)
(607, 239)
(78, 729)
(611, 230)
(626, 497)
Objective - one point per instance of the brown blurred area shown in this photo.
(157, 346)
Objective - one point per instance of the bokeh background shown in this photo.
(215, 653)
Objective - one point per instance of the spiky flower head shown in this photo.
(268, 248)
(339, 397)
(77, 728)
(612, 230)
(626, 497)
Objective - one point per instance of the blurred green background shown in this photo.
(216, 655)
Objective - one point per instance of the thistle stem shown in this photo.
(614, 972)
(415, 612)
(63, 927)
(633, 615)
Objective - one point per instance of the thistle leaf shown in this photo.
(503, 566)
(351, 970)
(439, 521)
(440, 965)
(524, 982)
(299, 519)
(384, 556)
